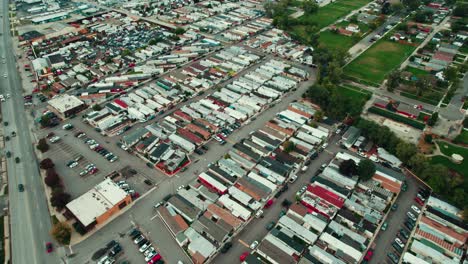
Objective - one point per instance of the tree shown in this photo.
(288, 146)
(461, 10)
(59, 199)
(42, 145)
(365, 169)
(394, 80)
(404, 151)
(433, 120)
(451, 73)
(428, 138)
(437, 180)
(397, 7)
(97, 107)
(61, 232)
(46, 164)
(424, 83)
(179, 31)
(411, 4)
(52, 179)
(348, 167)
(465, 122)
(309, 7)
(418, 163)
(318, 115)
(465, 214)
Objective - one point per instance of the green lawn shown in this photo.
(416, 72)
(330, 13)
(449, 149)
(334, 40)
(462, 138)
(379, 60)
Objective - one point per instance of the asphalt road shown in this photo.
(29, 216)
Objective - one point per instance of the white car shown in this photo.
(144, 247)
(411, 216)
(254, 244)
(150, 255)
(73, 165)
(84, 172)
(148, 251)
(4, 75)
(54, 139)
(8, 96)
(399, 242)
(325, 145)
(158, 204)
(138, 239)
(416, 209)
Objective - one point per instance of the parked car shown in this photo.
(394, 258)
(416, 209)
(254, 244)
(411, 216)
(226, 247)
(270, 225)
(138, 239)
(384, 226)
(399, 242)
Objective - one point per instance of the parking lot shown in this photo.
(82, 177)
(395, 220)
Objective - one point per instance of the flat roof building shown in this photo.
(66, 105)
(98, 204)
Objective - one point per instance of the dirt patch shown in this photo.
(388, 46)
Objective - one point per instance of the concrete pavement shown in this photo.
(29, 215)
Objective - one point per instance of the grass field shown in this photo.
(379, 60)
(332, 12)
(449, 149)
(416, 72)
(335, 41)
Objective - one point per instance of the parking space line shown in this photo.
(155, 216)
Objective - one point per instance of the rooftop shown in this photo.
(96, 201)
(65, 102)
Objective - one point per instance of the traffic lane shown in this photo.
(395, 221)
(256, 229)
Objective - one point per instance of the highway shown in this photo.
(29, 215)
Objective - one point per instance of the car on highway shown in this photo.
(8, 154)
(13, 134)
(20, 187)
(254, 244)
(49, 247)
(5, 75)
(17, 160)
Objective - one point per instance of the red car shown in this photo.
(154, 259)
(49, 247)
(269, 203)
(243, 256)
(421, 203)
(369, 255)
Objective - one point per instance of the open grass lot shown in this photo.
(376, 62)
(449, 149)
(332, 12)
(358, 98)
(416, 72)
(335, 41)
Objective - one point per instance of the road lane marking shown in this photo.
(244, 243)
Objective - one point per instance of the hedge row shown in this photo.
(397, 117)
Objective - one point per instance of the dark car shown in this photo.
(20, 187)
(226, 247)
(49, 247)
(199, 151)
(270, 225)
(8, 154)
(111, 244)
(404, 233)
(13, 134)
(115, 250)
(204, 147)
(17, 160)
(134, 233)
(148, 182)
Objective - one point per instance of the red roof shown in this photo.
(326, 195)
(120, 103)
(189, 136)
(183, 115)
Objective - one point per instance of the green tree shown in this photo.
(318, 115)
(428, 138)
(97, 107)
(179, 31)
(411, 4)
(418, 163)
(309, 7)
(394, 80)
(288, 146)
(451, 74)
(404, 151)
(461, 10)
(61, 232)
(433, 119)
(348, 167)
(365, 169)
(42, 145)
